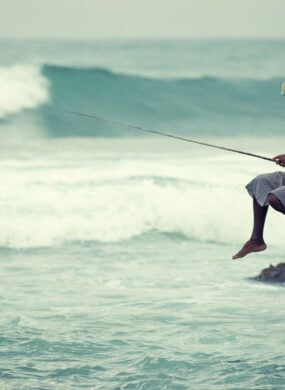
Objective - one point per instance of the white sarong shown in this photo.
(269, 183)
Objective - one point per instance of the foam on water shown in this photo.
(22, 87)
(48, 200)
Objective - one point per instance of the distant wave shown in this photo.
(218, 106)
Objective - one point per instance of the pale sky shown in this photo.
(97, 19)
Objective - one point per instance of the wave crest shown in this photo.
(212, 106)
(22, 87)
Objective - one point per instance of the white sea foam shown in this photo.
(76, 197)
(22, 87)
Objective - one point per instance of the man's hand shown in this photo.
(280, 159)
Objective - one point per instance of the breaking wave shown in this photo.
(199, 198)
(22, 87)
(190, 105)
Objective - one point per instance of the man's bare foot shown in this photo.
(249, 247)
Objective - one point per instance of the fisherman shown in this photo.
(267, 189)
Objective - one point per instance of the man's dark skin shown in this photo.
(256, 242)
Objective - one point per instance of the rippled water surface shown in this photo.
(158, 313)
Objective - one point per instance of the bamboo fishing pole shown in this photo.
(170, 135)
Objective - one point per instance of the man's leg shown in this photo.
(275, 203)
(256, 242)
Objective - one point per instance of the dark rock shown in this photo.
(272, 274)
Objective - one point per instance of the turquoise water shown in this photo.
(161, 312)
(115, 249)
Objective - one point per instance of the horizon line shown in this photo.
(145, 38)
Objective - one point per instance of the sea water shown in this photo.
(115, 246)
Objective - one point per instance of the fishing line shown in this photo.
(169, 135)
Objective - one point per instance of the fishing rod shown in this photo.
(169, 135)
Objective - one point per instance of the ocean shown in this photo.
(116, 245)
